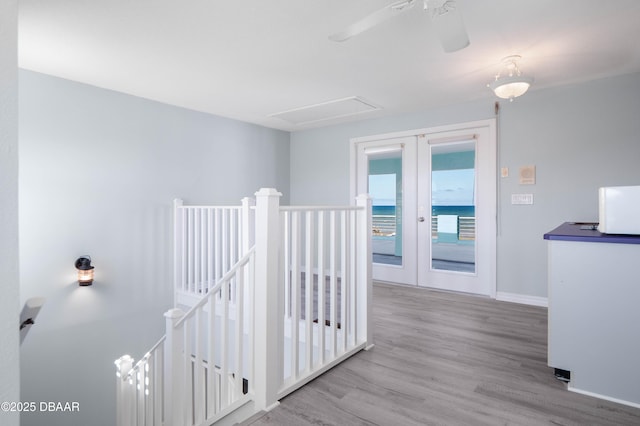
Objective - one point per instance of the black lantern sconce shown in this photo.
(85, 270)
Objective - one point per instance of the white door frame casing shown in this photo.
(489, 164)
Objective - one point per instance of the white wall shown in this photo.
(9, 277)
(579, 138)
(98, 174)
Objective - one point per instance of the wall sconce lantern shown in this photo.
(85, 270)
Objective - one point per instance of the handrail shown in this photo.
(320, 208)
(144, 359)
(225, 278)
(209, 207)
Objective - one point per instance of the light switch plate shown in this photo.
(504, 172)
(521, 198)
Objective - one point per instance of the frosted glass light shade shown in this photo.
(85, 277)
(511, 87)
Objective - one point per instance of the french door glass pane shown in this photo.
(453, 181)
(385, 187)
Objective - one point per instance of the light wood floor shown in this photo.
(447, 359)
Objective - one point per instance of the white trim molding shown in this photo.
(605, 397)
(523, 299)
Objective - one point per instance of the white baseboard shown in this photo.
(605, 397)
(522, 299)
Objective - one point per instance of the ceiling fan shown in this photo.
(445, 16)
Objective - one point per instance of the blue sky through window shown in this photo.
(382, 189)
(449, 188)
(453, 187)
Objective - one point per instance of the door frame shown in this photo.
(491, 166)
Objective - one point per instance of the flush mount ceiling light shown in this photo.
(510, 83)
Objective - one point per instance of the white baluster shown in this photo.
(238, 370)
(344, 276)
(225, 241)
(186, 367)
(321, 288)
(308, 280)
(233, 238)
(191, 259)
(333, 285)
(139, 398)
(200, 254)
(249, 297)
(184, 250)
(198, 368)
(148, 396)
(213, 393)
(210, 253)
(353, 247)
(295, 294)
(158, 384)
(178, 236)
(236, 246)
(247, 225)
(218, 244)
(224, 343)
(286, 264)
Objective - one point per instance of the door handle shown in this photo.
(421, 219)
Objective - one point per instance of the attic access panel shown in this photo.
(327, 110)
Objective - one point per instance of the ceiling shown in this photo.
(251, 59)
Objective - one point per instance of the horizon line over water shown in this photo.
(390, 210)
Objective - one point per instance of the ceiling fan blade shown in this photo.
(373, 19)
(448, 24)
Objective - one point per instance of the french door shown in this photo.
(434, 213)
(387, 169)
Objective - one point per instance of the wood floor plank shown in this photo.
(447, 359)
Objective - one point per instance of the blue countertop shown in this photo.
(574, 231)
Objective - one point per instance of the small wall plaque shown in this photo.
(527, 175)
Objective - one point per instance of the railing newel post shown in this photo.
(173, 392)
(124, 364)
(268, 318)
(364, 271)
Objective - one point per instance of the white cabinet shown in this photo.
(594, 311)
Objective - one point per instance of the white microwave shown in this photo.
(619, 210)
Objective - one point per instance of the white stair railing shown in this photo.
(312, 244)
(208, 240)
(300, 298)
(204, 363)
(139, 394)
(325, 278)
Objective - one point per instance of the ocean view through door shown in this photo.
(452, 188)
(434, 205)
(387, 170)
(385, 189)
